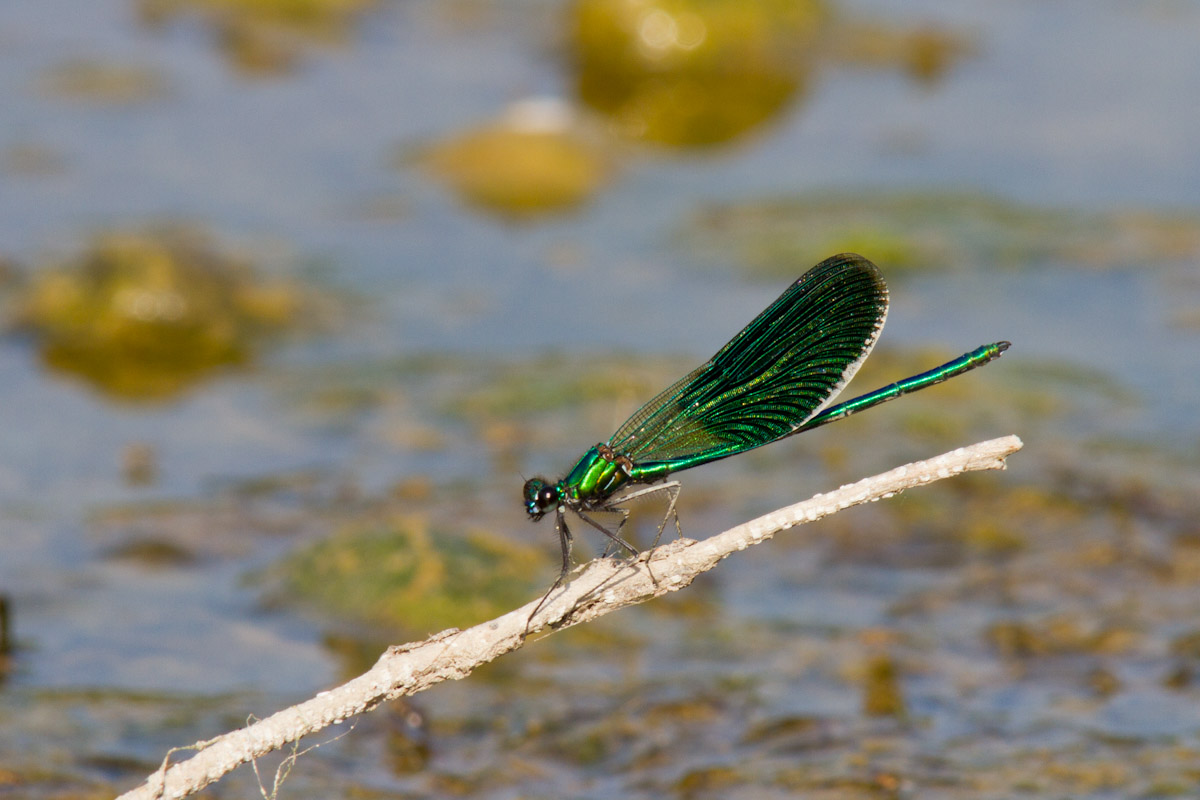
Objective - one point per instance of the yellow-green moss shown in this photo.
(143, 315)
(402, 573)
(691, 72)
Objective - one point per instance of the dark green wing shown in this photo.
(775, 374)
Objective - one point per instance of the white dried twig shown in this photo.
(597, 588)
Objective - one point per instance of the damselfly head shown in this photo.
(540, 497)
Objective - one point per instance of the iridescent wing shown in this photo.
(777, 373)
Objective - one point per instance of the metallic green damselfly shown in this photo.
(777, 377)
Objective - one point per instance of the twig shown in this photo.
(597, 588)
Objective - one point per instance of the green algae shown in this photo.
(531, 162)
(265, 37)
(935, 230)
(405, 574)
(144, 315)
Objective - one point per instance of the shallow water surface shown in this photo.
(458, 243)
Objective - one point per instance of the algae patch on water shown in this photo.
(144, 315)
(922, 230)
(401, 572)
(689, 74)
(537, 158)
(264, 36)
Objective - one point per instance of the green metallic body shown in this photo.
(964, 363)
(593, 479)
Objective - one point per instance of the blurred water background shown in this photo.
(295, 293)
